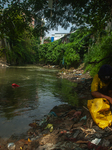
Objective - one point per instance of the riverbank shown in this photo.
(66, 127)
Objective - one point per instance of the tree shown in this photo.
(92, 13)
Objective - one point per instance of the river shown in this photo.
(38, 92)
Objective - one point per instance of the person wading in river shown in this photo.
(101, 86)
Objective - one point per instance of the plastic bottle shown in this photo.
(11, 146)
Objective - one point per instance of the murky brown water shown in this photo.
(40, 90)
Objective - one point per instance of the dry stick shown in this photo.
(85, 108)
(109, 128)
(91, 123)
(86, 131)
(92, 131)
(110, 148)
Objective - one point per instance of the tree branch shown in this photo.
(95, 62)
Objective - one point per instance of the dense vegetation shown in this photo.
(99, 53)
(90, 43)
(67, 54)
(23, 51)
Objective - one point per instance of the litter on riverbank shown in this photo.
(64, 128)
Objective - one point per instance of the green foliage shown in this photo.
(79, 34)
(100, 53)
(93, 14)
(56, 52)
(16, 28)
(53, 53)
(1, 52)
(71, 57)
(59, 53)
(12, 23)
(48, 52)
(80, 39)
(17, 18)
(42, 52)
(25, 51)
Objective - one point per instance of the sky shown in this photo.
(60, 30)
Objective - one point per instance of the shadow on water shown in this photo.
(40, 90)
(65, 90)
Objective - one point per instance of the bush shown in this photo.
(99, 54)
(71, 57)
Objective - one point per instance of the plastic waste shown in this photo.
(63, 61)
(100, 112)
(96, 141)
(43, 121)
(14, 85)
(91, 145)
(11, 146)
(52, 113)
(33, 139)
(76, 114)
(49, 126)
(83, 118)
(78, 74)
(29, 140)
(63, 132)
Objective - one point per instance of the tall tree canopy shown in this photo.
(92, 13)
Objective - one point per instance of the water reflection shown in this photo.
(40, 90)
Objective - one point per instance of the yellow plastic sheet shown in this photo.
(100, 111)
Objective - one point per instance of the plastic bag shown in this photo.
(49, 126)
(100, 111)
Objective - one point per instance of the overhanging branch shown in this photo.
(95, 62)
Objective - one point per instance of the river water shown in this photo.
(40, 90)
